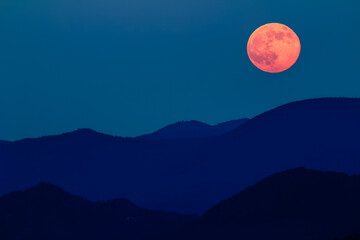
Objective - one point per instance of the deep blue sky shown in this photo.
(128, 67)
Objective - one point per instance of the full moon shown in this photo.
(273, 47)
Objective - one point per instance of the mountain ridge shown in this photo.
(192, 129)
(298, 204)
(191, 175)
(46, 211)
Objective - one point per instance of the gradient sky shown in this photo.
(132, 66)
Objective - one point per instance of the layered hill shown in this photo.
(299, 204)
(190, 175)
(47, 212)
(353, 237)
(193, 129)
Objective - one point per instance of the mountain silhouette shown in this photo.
(353, 237)
(190, 175)
(193, 129)
(47, 212)
(3, 142)
(299, 204)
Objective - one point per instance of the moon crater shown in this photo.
(273, 47)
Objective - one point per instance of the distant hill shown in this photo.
(97, 166)
(193, 129)
(47, 212)
(353, 237)
(298, 204)
(2, 142)
(190, 175)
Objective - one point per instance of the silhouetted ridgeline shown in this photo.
(47, 212)
(354, 237)
(298, 204)
(193, 129)
(190, 175)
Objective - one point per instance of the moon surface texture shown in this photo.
(273, 47)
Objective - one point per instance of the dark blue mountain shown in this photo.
(97, 166)
(47, 212)
(297, 204)
(193, 129)
(352, 237)
(3, 142)
(190, 175)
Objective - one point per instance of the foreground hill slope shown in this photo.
(298, 204)
(353, 237)
(47, 212)
(190, 175)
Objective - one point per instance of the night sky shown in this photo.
(128, 67)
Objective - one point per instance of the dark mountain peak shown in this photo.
(79, 135)
(44, 187)
(181, 129)
(47, 212)
(188, 123)
(298, 186)
(316, 107)
(311, 110)
(295, 204)
(305, 122)
(192, 129)
(84, 132)
(41, 198)
(50, 194)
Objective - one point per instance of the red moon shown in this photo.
(273, 47)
